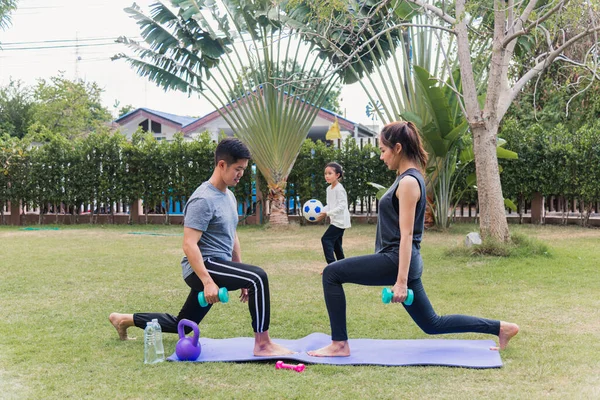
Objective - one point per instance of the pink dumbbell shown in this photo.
(297, 368)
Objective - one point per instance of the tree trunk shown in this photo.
(429, 213)
(16, 211)
(277, 200)
(521, 207)
(492, 217)
(167, 208)
(484, 123)
(92, 212)
(583, 209)
(259, 209)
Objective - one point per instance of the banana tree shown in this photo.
(442, 129)
(235, 53)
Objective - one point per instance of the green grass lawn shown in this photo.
(58, 287)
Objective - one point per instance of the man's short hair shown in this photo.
(231, 150)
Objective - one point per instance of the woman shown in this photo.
(397, 259)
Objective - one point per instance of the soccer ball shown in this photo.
(311, 209)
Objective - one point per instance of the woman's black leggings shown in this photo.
(228, 274)
(381, 270)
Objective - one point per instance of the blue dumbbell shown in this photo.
(223, 297)
(387, 295)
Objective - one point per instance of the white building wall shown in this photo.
(130, 127)
(215, 127)
(167, 132)
(193, 135)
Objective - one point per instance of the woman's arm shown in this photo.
(408, 194)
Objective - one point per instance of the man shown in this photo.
(213, 256)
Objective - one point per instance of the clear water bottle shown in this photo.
(153, 347)
(160, 350)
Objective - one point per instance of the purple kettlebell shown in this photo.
(188, 349)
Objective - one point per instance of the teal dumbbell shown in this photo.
(223, 297)
(387, 295)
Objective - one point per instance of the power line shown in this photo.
(38, 7)
(70, 46)
(88, 5)
(64, 52)
(58, 41)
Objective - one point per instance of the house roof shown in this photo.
(328, 115)
(190, 124)
(179, 120)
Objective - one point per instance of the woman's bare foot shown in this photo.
(507, 331)
(121, 322)
(335, 349)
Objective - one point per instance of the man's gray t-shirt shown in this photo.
(215, 214)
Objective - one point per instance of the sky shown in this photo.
(76, 37)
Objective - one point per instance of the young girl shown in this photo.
(337, 210)
(397, 259)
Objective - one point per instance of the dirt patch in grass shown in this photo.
(11, 386)
(308, 267)
(175, 251)
(359, 242)
(553, 234)
(46, 233)
(579, 320)
(438, 238)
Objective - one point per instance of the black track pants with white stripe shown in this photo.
(228, 274)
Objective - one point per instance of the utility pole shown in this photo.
(77, 56)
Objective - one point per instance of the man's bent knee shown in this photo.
(261, 277)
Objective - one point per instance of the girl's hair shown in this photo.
(337, 168)
(407, 134)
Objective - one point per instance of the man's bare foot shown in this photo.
(335, 349)
(268, 349)
(507, 331)
(264, 346)
(121, 322)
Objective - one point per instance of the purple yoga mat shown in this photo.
(443, 352)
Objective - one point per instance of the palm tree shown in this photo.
(6, 7)
(239, 49)
(294, 69)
